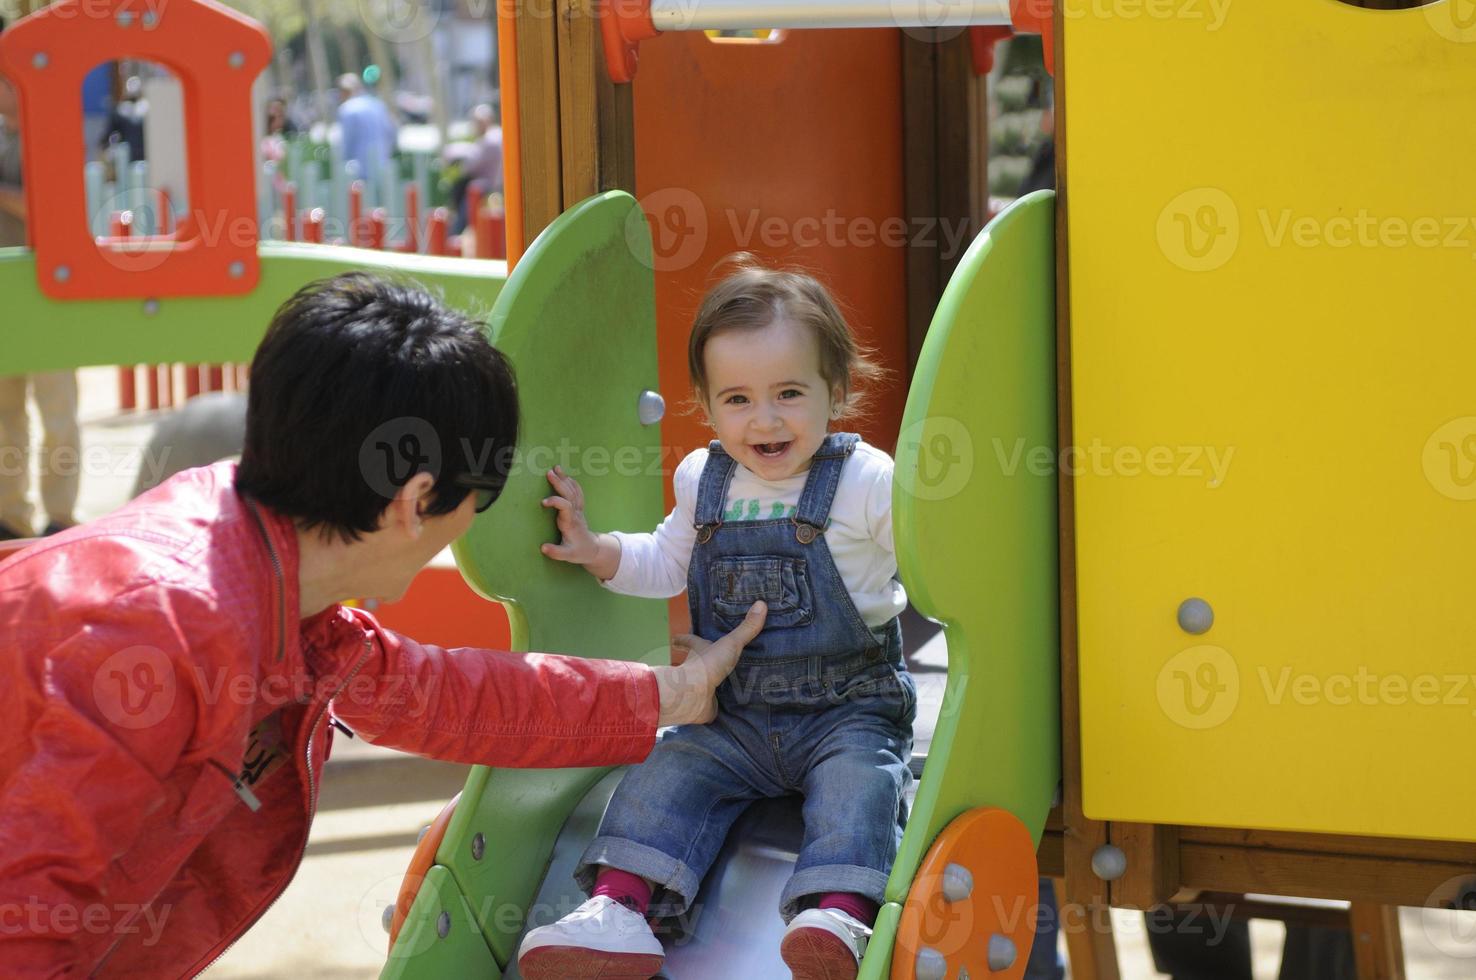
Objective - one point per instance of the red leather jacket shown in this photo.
(164, 717)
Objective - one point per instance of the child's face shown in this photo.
(768, 402)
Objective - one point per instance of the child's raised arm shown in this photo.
(598, 553)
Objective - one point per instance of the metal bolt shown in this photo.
(1002, 952)
(236, 59)
(1466, 897)
(151, 307)
(423, 831)
(650, 407)
(958, 883)
(150, 19)
(61, 273)
(1195, 616)
(236, 269)
(1056, 797)
(388, 918)
(40, 60)
(1109, 863)
(125, 18)
(443, 925)
(479, 847)
(931, 965)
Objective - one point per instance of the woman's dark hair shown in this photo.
(360, 383)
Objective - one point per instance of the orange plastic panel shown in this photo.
(998, 851)
(790, 150)
(1037, 17)
(216, 54)
(420, 863)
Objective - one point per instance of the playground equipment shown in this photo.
(1155, 304)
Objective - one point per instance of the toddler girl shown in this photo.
(782, 510)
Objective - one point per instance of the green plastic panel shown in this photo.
(877, 964)
(578, 318)
(974, 516)
(421, 950)
(43, 334)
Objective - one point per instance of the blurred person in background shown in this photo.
(367, 129)
(55, 392)
(481, 161)
(126, 121)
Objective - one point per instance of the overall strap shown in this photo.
(825, 473)
(712, 490)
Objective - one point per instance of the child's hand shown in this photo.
(579, 546)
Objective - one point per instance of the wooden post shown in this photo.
(1378, 950)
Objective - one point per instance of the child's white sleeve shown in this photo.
(879, 507)
(655, 565)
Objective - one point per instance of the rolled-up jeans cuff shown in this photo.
(867, 882)
(676, 884)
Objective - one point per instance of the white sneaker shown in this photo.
(824, 944)
(601, 939)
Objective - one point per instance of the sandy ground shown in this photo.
(374, 803)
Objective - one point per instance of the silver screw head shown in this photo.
(478, 847)
(958, 883)
(651, 407)
(1002, 952)
(1109, 862)
(931, 964)
(40, 60)
(236, 269)
(236, 59)
(1195, 616)
(387, 918)
(443, 924)
(61, 273)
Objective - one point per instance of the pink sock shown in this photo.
(627, 889)
(859, 907)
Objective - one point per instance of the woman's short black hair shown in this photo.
(360, 383)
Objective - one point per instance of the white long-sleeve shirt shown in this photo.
(859, 535)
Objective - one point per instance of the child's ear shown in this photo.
(837, 402)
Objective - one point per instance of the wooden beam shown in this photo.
(616, 108)
(919, 180)
(541, 165)
(579, 62)
(955, 151)
(1378, 950)
(1152, 875)
(1454, 852)
(1381, 880)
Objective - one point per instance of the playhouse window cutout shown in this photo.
(760, 35)
(136, 175)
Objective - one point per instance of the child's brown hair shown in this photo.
(752, 296)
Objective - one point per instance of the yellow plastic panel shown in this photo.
(1272, 234)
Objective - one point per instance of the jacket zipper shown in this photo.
(312, 805)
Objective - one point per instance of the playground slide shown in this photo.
(977, 549)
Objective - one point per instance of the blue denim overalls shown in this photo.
(820, 704)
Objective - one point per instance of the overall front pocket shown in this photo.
(782, 583)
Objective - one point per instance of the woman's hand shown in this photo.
(578, 545)
(688, 690)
